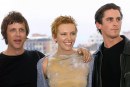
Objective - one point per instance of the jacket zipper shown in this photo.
(128, 73)
(100, 70)
(122, 62)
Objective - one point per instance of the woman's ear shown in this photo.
(54, 38)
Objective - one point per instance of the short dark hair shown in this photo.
(12, 17)
(100, 12)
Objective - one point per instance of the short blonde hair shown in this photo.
(61, 20)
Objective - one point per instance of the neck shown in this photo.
(59, 52)
(13, 52)
(109, 42)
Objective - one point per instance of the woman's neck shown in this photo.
(65, 52)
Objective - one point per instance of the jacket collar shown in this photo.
(126, 47)
(99, 50)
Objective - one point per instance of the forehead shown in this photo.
(112, 13)
(16, 25)
(66, 27)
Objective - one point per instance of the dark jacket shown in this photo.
(124, 63)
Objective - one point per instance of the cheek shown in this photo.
(9, 36)
(24, 36)
(60, 38)
(74, 38)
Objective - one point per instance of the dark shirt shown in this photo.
(110, 69)
(20, 70)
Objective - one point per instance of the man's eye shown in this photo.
(109, 19)
(118, 19)
(12, 30)
(22, 30)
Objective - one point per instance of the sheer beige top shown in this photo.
(67, 71)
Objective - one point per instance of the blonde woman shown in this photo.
(65, 68)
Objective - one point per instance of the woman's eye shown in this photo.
(63, 34)
(73, 33)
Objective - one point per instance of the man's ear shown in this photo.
(98, 26)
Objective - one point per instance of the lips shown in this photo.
(115, 29)
(68, 43)
(17, 41)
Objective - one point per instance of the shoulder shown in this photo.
(42, 65)
(45, 62)
(35, 53)
(41, 78)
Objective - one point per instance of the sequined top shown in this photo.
(67, 71)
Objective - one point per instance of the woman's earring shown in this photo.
(55, 40)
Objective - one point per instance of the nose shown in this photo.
(116, 22)
(17, 33)
(69, 37)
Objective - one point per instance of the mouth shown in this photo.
(18, 41)
(115, 29)
(68, 43)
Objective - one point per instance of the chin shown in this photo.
(114, 36)
(18, 47)
(68, 49)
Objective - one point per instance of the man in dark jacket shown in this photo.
(112, 59)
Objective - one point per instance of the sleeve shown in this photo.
(41, 81)
(39, 54)
(90, 73)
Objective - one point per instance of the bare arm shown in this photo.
(45, 62)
